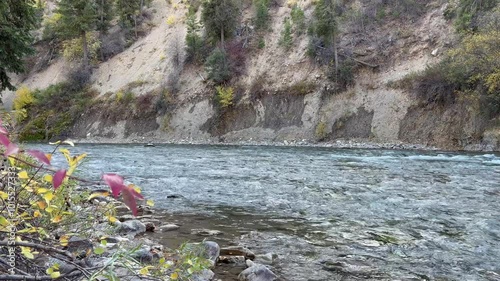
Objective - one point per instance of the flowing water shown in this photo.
(330, 214)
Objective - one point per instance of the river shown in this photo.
(329, 214)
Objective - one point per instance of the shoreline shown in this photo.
(339, 144)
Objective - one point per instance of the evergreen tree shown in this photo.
(194, 42)
(261, 13)
(128, 11)
(104, 15)
(220, 18)
(17, 18)
(78, 17)
(326, 25)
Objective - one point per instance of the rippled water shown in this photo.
(332, 213)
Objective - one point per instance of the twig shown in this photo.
(37, 246)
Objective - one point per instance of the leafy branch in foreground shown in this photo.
(53, 228)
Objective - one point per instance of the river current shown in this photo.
(330, 214)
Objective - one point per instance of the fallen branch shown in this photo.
(37, 246)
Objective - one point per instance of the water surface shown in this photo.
(330, 213)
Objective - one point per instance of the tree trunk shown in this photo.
(85, 49)
(335, 55)
(222, 37)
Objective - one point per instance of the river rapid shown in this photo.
(329, 214)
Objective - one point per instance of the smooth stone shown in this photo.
(131, 227)
(265, 259)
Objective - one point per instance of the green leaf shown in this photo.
(55, 274)
(99, 250)
(3, 221)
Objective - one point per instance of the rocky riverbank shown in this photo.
(154, 235)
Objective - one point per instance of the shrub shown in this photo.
(73, 49)
(344, 77)
(225, 96)
(261, 44)
(217, 66)
(23, 98)
(79, 77)
(171, 20)
(320, 133)
(236, 57)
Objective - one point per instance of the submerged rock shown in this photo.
(206, 232)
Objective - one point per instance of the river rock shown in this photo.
(207, 249)
(169, 227)
(131, 228)
(150, 227)
(237, 251)
(265, 259)
(236, 260)
(256, 272)
(206, 232)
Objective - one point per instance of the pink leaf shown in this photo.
(115, 182)
(4, 140)
(58, 178)
(129, 199)
(12, 148)
(40, 156)
(3, 131)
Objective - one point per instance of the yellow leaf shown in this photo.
(174, 276)
(136, 188)
(49, 156)
(48, 196)
(150, 203)
(57, 219)
(55, 143)
(55, 274)
(41, 205)
(47, 178)
(51, 209)
(4, 195)
(112, 219)
(12, 162)
(64, 240)
(41, 190)
(36, 214)
(144, 270)
(97, 194)
(23, 175)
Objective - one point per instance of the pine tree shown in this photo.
(194, 42)
(104, 15)
(128, 11)
(326, 25)
(17, 18)
(78, 17)
(220, 18)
